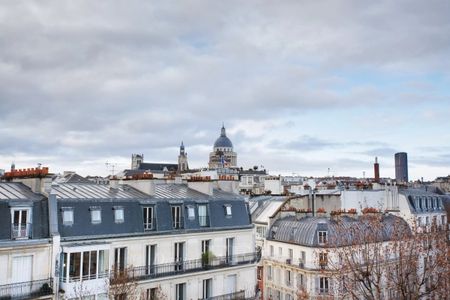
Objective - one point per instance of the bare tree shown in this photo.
(123, 284)
(378, 256)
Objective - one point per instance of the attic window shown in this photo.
(119, 216)
(228, 212)
(96, 215)
(67, 215)
(322, 237)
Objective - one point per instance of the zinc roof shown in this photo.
(16, 191)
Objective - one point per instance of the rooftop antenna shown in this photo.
(110, 167)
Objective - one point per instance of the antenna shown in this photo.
(110, 167)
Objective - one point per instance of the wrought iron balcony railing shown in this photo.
(191, 266)
(26, 290)
(21, 231)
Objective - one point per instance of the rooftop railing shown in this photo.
(26, 290)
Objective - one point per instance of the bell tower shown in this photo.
(182, 159)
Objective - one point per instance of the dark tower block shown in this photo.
(401, 167)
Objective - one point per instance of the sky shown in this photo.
(302, 87)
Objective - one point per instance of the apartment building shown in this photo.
(25, 244)
(297, 255)
(172, 239)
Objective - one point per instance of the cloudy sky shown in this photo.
(302, 86)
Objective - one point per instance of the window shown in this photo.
(280, 251)
(271, 251)
(228, 210)
(301, 281)
(96, 215)
(150, 259)
(180, 291)
(67, 215)
(291, 254)
(322, 237)
(179, 256)
(148, 217)
(202, 215)
(269, 273)
(323, 259)
(302, 259)
(205, 246)
(176, 217)
(191, 212)
(230, 250)
(21, 227)
(120, 257)
(207, 288)
(151, 294)
(323, 285)
(288, 278)
(118, 214)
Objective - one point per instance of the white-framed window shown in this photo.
(323, 285)
(323, 259)
(280, 251)
(271, 251)
(148, 217)
(203, 215)
(176, 217)
(269, 273)
(21, 222)
(67, 215)
(119, 216)
(228, 211)
(322, 236)
(288, 277)
(96, 215)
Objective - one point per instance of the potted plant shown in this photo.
(207, 258)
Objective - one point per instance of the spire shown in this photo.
(222, 131)
(181, 147)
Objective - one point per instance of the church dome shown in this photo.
(223, 141)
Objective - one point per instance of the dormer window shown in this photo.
(21, 224)
(322, 235)
(228, 212)
(67, 216)
(176, 217)
(119, 216)
(96, 215)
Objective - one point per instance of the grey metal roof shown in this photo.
(304, 231)
(95, 191)
(17, 191)
(421, 200)
(177, 191)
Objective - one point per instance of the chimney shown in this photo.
(36, 184)
(376, 170)
(147, 186)
(203, 185)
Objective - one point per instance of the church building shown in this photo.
(222, 155)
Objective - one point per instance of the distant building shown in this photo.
(252, 181)
(182, 159)
(401, 167)
(223, 155)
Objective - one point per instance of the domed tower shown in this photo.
(223, 155)
(182, 159)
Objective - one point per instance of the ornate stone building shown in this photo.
(222, 155)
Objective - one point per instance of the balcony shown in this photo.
(21, 231)
(232, 296)
(26, 290)
(178, 223)
(150, 224)
(191, 266)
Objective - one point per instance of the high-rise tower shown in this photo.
(401, 167)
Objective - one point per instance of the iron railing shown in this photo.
(20, 231)
(191, 266)
(26, 290)
(231, 296)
